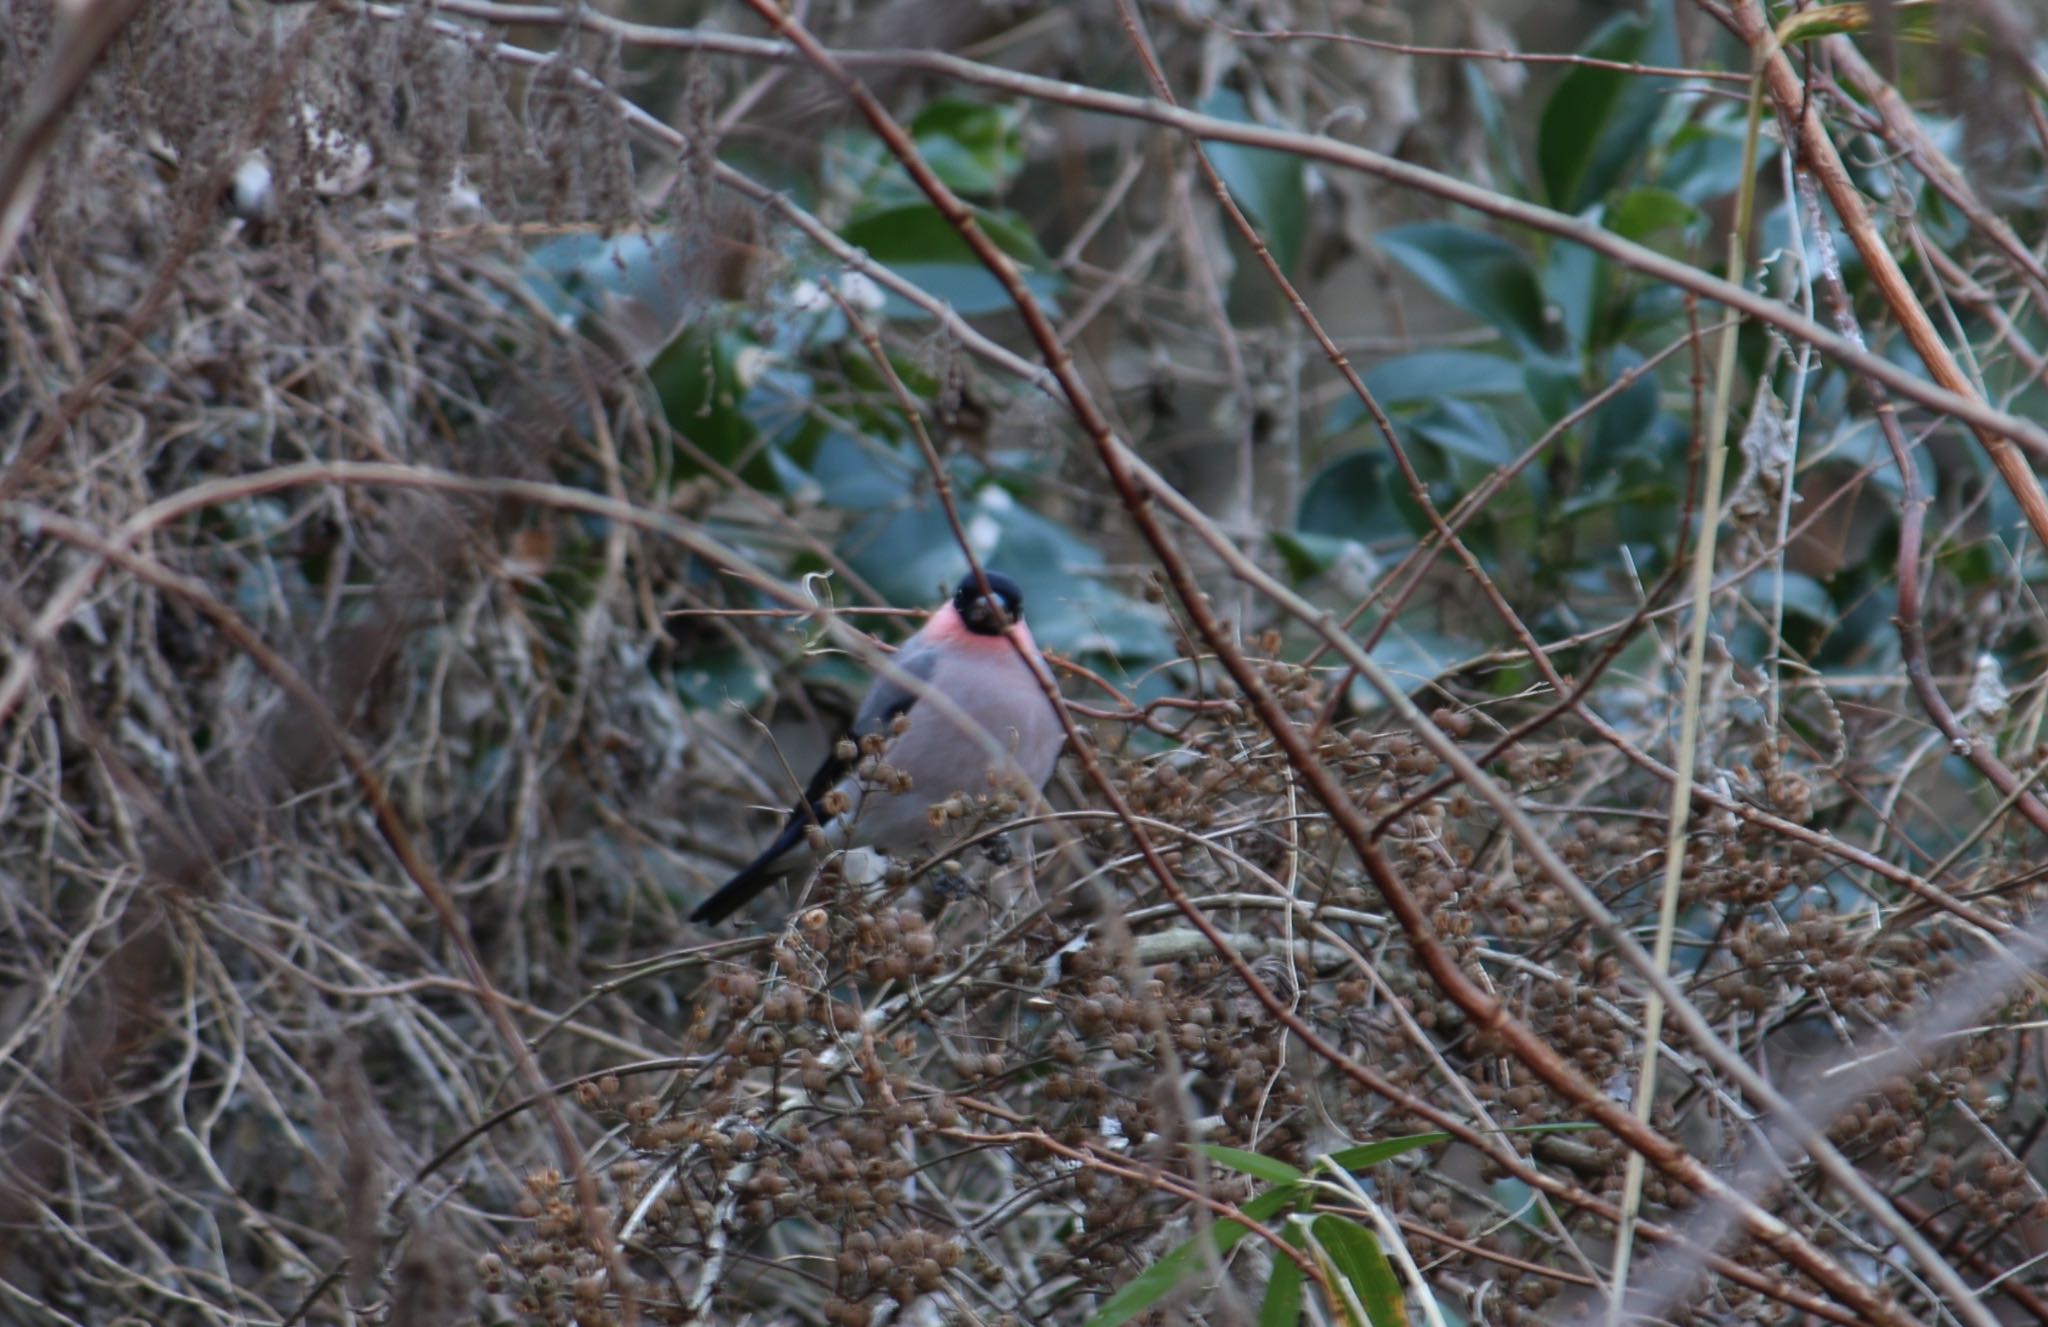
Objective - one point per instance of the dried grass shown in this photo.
(246, 1076)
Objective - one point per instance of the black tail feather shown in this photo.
(754, 877)
(739, 891)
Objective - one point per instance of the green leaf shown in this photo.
(1859, 442)
(1282, 1305)
(1425, 378)
(1626, 425)
(923, 248)
(1251, 1163)
(703, 400)
(1413, 657)
(1805, 597)
(1465, 429)
(1310, 555)
(1367, 1155)
(970, 288)
(575, 273)
(1590, 133)
(1479, 273)
(1502, 141)
(1576, 280)
(1642, 213)
(909, 551)
(976, 149)
(1360, 1261)
(1268, 185)
(860, 473)
(916, 233)
(1158, 1280)
(1704, 158)
(1552, 386)
(1429, 375)
(719, 674)
(1348, 499)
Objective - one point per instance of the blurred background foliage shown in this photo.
(470, 239)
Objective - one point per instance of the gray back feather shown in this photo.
(888, 697)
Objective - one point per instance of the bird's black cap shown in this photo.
(974, 609)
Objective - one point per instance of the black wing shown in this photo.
(886, 699)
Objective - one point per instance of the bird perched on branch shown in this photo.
(959, 711)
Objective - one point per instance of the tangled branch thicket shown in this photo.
(417, 424)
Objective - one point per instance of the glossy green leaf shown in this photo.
(921, 246)
(1625, 426)
(1250, 1163)
(1413, 657)
(1502, 142)
(1157, 1281)
(860, 473)
(1348, 499)
(1358, 1258)
(1465, 429)
(1479, 273)
(916, 233)
(1590, 130)
(1858, 442)
(1430, 375)
(1641, 214)
(1367, 1155)
(1310, 555)
(1576, 281)
(1269, 186)
(976, 149)
(1552, 386)
(1703, 160)
(970, 288)
(572, 274)
(909, 552)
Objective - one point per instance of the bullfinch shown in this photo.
(960, 656)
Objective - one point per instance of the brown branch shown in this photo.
(1488, 1015)
(1903, 130)
(686, 535)
(1476, 53)
(1801, 123)
(1964, 405)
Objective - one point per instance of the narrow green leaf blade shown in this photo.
(1251, 1163)
(1362, 1264)
(1282, 1305)
(1157, 1281)
(1372, 1154)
